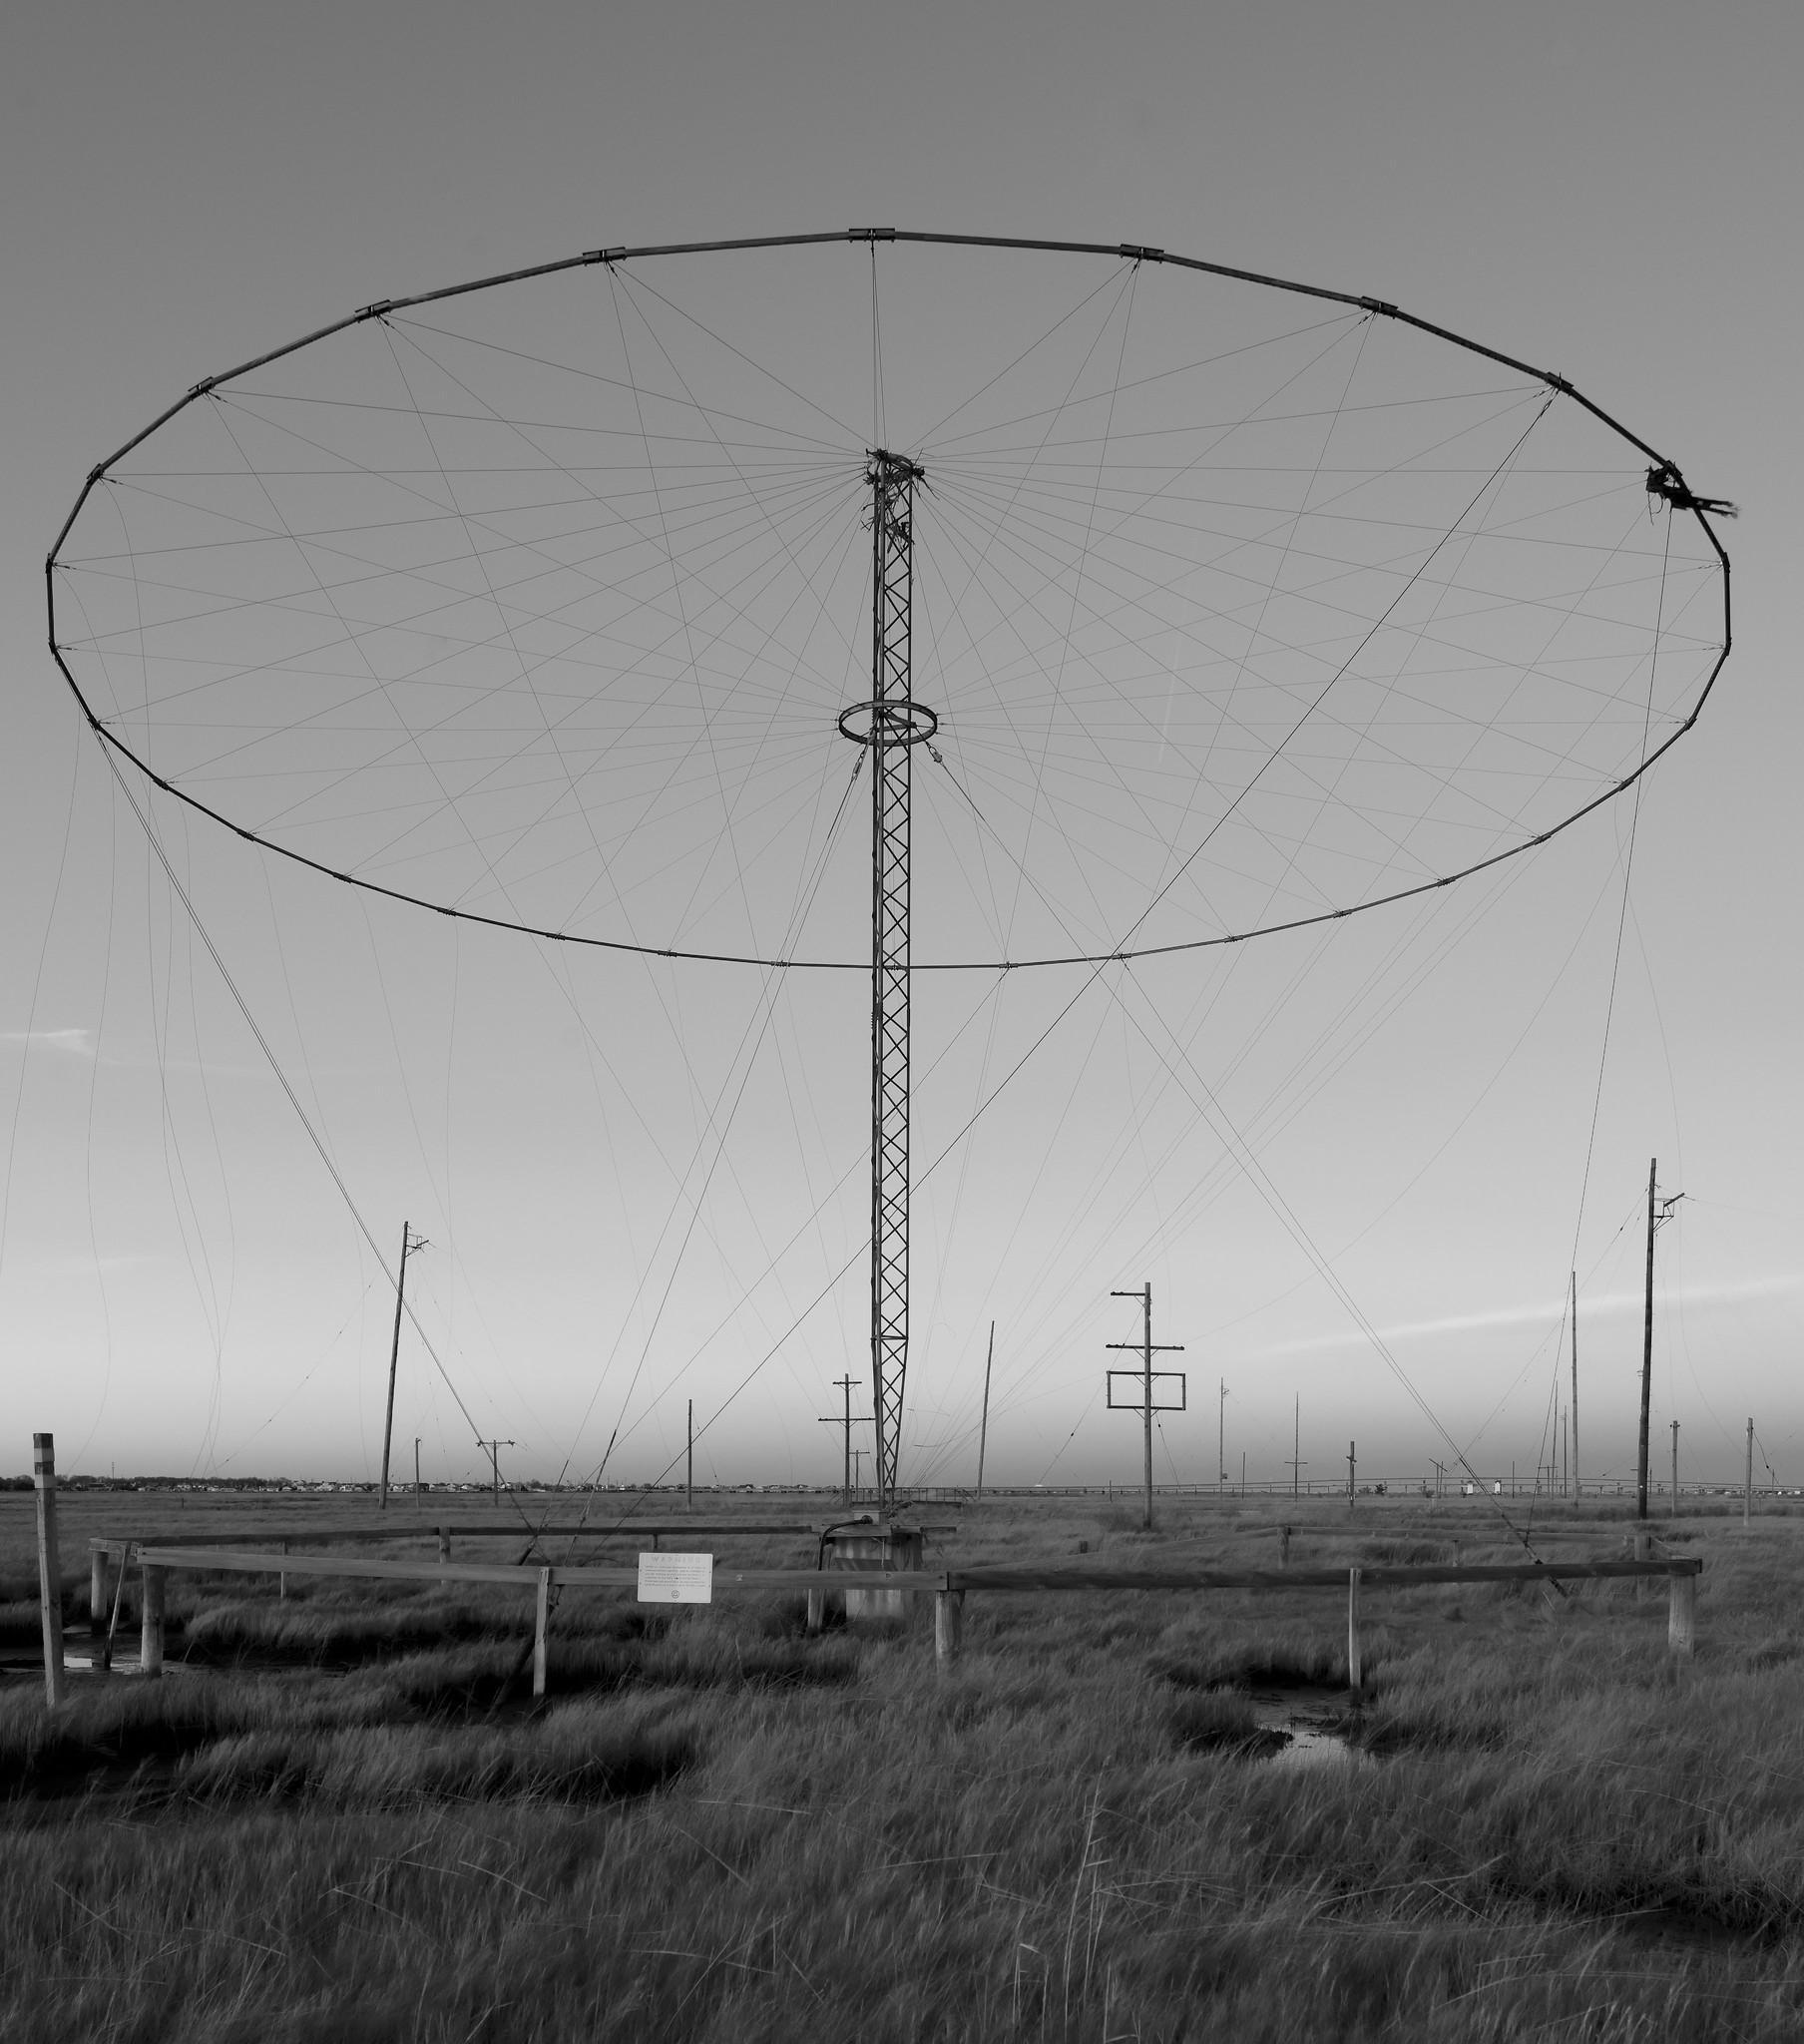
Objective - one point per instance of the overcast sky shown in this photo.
(1609, 191)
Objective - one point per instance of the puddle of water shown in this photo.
(1680, 1930)
(1309, 1720)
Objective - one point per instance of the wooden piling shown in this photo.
(1355, 1668)
(541, 1624)
(948, 1624)
(49, 1580)
(1681, 1619)
(104, 1656)
(150, 1638)
(97, 1596)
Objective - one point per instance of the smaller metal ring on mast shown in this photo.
(895, 722)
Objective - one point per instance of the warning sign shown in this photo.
(676, 1579)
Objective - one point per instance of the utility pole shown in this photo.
(688, 1462)
(416, 1470)
(858, 1456)
(983, 1431)
(1297, 1464)
(1676, 1466)
(409, 1242)
(1220, 1435)
(1748, 1488)
(1577, 1466)
(1147, 1347)
(847, 1419)
(1659, 1210)
(1352, 1471)
(495, 1448)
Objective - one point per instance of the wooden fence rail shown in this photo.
(1394, 1574)
(483, 1529)
(948, 1587)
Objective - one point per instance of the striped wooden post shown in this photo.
(49, 1580)
(150, 1637)
(1681, 1616)
(541, 1622)
(1355, 1670)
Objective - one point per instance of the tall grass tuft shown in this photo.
(719, 1828)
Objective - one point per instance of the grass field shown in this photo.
(341, 1816)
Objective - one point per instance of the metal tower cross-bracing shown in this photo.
(891, 725)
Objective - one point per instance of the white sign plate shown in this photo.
(676, 1579)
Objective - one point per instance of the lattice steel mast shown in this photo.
(891, 725)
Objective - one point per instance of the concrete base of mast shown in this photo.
(871, 1545)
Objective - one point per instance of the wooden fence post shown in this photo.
(1681, 1619)
(150, 1638)
(817, 1610)
(105, 1658)
(1354, 1667)
(947, 1623)
(97, 1597)
(1284, 1547)
(282, 1580)
(444, 1545)
(541, 1621)
(49, 1580)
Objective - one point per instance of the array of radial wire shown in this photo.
(1239, 609)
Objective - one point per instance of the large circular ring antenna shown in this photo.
(1243, 605)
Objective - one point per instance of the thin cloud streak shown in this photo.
(1606, 1304)
(71, 1042)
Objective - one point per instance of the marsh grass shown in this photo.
(719, 1828)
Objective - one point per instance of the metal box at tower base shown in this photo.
(871, 1545)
